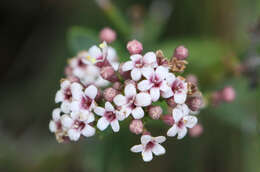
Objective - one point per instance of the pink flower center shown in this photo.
(79, 125)
(130, 102)
(58, 125)
(180, 124)
(67, 94)
(149, 145)
(110, 116)
(86, 102)
(156, 80)
(139, 63)
(177, 86)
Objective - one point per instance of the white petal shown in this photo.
(167, 94)
(111, 54)
(52, 126)
(65, 84)
(100, 82)
(162, 72)
(147, 72)
(75, 106)
(138, 113)
(158, 149)
(144, 85)
(65, 107)
(115, 125)
(190, 121)
(91, 91)
(59, 97)
(94, 51)
(145, 139)
(75, 115)
(88, 131)
(150, 58)
(91, 118)
(119, 100)
(66, 121)
(185, 109)
(99, 111)
(56, 114)
(180, 97)
(155, 94)
(159, 139)
(147, 156)
(182, 132)
(130, 90)
(143, 99)
(136, 57)
(172, 131)
(123, 113)
(137, 148)
(102, 123)
(74, 135)
(109, 106)
(177, 114)
(115, 65)
(128, 66)
(76, 90)
(136, 74)
(170, 78)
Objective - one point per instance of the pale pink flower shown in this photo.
(136, 126)
(134, 47)
(196, 131)
(107, 34)
(149, 146)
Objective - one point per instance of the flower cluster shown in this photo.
(98, 92)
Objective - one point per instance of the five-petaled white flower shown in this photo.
(155, 81)
(131, 103)
(178, 89)
(77, 124)
(108, 117)
(182, 121)
(83, 101)
(138, 62)
(65, 94)
(55, 124)
(150, 145)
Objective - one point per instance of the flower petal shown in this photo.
(182, 132)
(65, 107)
(109, 106)
(130, 90)
(52, 126)
(135, 57)
(115, 125)
(56, 114)
(91, 91)
(145, 139)
(150, 58)
(138, 113)
(147, 156)
(88, 131)
(59, 97)
(66, 121)
(191, 121)
(177, 114)
(74, 135)
(123, 113)
(180, 97)
(94, 51)
(147, 72)
(119, 100)
(144, 85)
(172, 131)
(167, 94)
(159, 139)
(155, 94)
(128, 66)
(162, 72)
(102, 123)
(143, 99)
(65, 84)
(136, 74)
(170, 78)
(99, 111)
(158, 149)
(137, 148)
(75, 106)
(76, 90)
(91, 117)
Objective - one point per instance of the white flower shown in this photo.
(55, 123)
(108, 117)
(131, 102)
(65, 94)
(84, 101)
(78, 124)
(182, 121)
(155, 81)
(179, 89)
(150, 145)
(138, 62)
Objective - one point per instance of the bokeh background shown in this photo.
(38, 36)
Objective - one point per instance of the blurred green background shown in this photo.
(38, 36)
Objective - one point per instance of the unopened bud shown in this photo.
(134, 47)
(194, 103)
(228, 94)
(181, 53)
(171, 102)
(107, 34)
(192, 79)
(136, 126)
(129, 81)
(109, 94)
(108, 73)
(168, 119)
(196, 131)
(155, 112)
(117, 86)
(146, 133)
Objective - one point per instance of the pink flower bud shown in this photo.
(168, 119)
(108, 73)
(155, 112)
(129, 81)
(181, 53)
(117, 86)
(171, 102)
(124, 74)
(136, 126)
(134, 47)
(194, 103)
(109, 94)
(192, 79)
(146, 133)
(228, 94)
(107, 34)
(196, 131)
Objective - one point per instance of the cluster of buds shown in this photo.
(98, 92)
